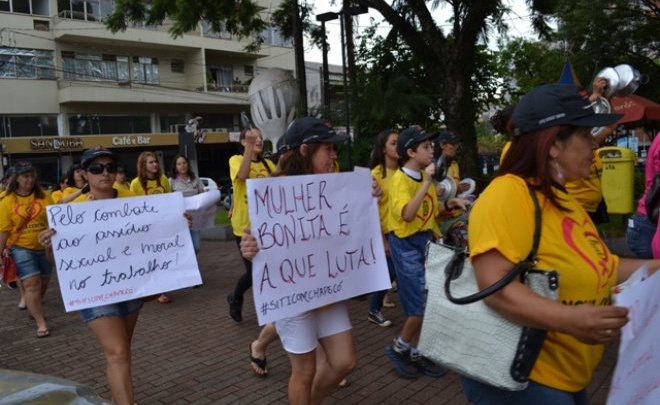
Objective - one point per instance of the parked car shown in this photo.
(18, 387)
(209, 184)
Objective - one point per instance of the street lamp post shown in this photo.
(326, 75)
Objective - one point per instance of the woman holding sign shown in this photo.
(150, 180)
(22, 218)
(319, 342)
(113, 324)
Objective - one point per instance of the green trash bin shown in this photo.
(617, 181)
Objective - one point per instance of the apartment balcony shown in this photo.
(97, 92)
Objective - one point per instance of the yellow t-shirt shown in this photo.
(503, 219)
(505, 149)
(57, 196)
(121, 186)
(402, 189)
(68, 191)
(3, 193)
(15, 211)
(240, 218)
(121, 193)
(588, 191)
(453, 172)
(384, 202)
(152, 186)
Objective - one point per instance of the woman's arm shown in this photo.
(589, 323)
(628, 267)
(244, 169)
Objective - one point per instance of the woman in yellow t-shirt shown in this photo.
(249, 165)
(150, 180)
(75, 184)
(384, 164)
(552, 146)
(113, 324)
(22, 218)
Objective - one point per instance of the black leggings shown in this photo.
(245, 282)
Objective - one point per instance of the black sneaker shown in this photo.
(379, 319)
(401, 362)
(13, 285)
(235, 308)
(427, 367)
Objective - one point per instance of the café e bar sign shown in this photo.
(63, 143)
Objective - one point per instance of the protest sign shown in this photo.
(202, 208)
(319, 242)
(636, 380)
(114, 250)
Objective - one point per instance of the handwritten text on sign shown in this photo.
(319, 242)
(118, 249)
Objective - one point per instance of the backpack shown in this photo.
(652, 200)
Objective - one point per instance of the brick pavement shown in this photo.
(190, 352)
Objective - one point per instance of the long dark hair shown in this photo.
(36, 189)
(70, 175)
(377, 154)
(175, 173)
(292, 162)
(502, 120)
(535, 166)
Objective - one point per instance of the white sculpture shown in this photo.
(273, 100)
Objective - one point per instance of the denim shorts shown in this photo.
(122, 309)
(479, 393)
(408, 257)
(30, 263)
(639, 236)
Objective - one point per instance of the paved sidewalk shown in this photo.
(191, 352)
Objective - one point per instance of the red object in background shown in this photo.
(635, 109)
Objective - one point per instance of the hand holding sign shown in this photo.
(114, 250)
(319, 242)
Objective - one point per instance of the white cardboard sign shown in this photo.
(636, 379)
(118, 249)
(319, 242)
(202, 208)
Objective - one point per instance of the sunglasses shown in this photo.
(97, 168)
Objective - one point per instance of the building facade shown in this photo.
(67, 83)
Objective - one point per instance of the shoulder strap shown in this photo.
(455, 266)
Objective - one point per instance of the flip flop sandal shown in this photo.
(164, 299)
(257, 363)
(43, 333)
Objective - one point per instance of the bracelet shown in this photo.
(447, 206)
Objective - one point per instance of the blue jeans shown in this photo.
(377, 296)
(30, 263)
(408, 257)
(196, 240)
(122, 309)
(483, 394)
(640, 235)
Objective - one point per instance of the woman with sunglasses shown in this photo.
(22, 218)
(114, 324)
(150, 180)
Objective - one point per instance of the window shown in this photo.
(145, 70)
(26, 63)
(93, 124)
(274, 37)
(105, 67)
(36, 7)
(40, 25)
(87, 10)
(248, 70)
(178, 66)
(28, 125)
(210, 33)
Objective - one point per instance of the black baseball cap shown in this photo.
(410, 137)
(93, 153)
(307, 130)
(448, 137)
(23, 166)
(9, 172)
(550, 105)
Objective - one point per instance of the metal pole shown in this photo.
(342, 15)
(326, 74)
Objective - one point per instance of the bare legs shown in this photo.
(34, 288)
(258, 347)
(114, 334)
(315, 375)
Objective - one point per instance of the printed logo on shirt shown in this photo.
(427, 209)
(28, 212)
(603, 268)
